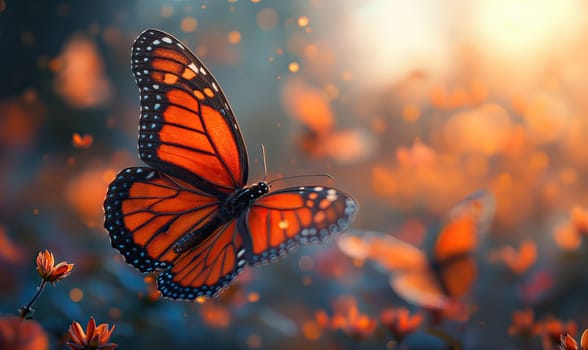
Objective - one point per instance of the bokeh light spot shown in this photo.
(254, 341)
(188, 24)
(482, 130)
(411, 112)
(267, 19)
(303, 21)
(234, 37)
(311, 330)
(253, 297)
(306, 263)
(76, 295)
(293, 67)
(166, 11)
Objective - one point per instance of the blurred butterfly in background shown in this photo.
(445, 270)
(189, 214)
(318, 136)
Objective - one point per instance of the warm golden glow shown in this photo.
(511, 27)
(283, 224)
(293, 67)
(303, 21)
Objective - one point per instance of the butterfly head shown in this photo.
(261, 188)
(243, 198)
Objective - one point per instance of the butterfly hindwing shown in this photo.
(207, 268)
(147, 212)
(285, 219)
(186, 128)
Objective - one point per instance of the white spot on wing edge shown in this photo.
(166, 39)
(193, 67)
(331, 195)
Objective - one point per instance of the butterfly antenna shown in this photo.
(264, 161)
(297, 176)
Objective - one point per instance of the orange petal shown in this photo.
(62, 270)
(567, 342)
(584, 340)
(105, 335)
(45, 263)
(76, 332)
(91, 328)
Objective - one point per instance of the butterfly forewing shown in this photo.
(186, 127)
(287, 218)
(390, 253)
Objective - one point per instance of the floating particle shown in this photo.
(293, 67)
(267, 19)
(303, 21)
(234, 37)
(189, 24)
(76, 295)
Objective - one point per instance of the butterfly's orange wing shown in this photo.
(287, 218)
(453, 251)
(207, 268)
(187, 128)
(147, 212)
(390, 253)
(411, 275)
(419, 287)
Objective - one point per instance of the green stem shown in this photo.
(27, 310)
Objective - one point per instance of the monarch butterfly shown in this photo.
(446, 269)
(189, 214)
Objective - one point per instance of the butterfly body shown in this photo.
(232, 207)
(189, 214)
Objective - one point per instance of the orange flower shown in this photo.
(348, 318)
(567, 342)
(400, 322)
(359, 326)
(80, 141)
(94, 338)
(49, 271)
(551, 330)
(518, 261)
